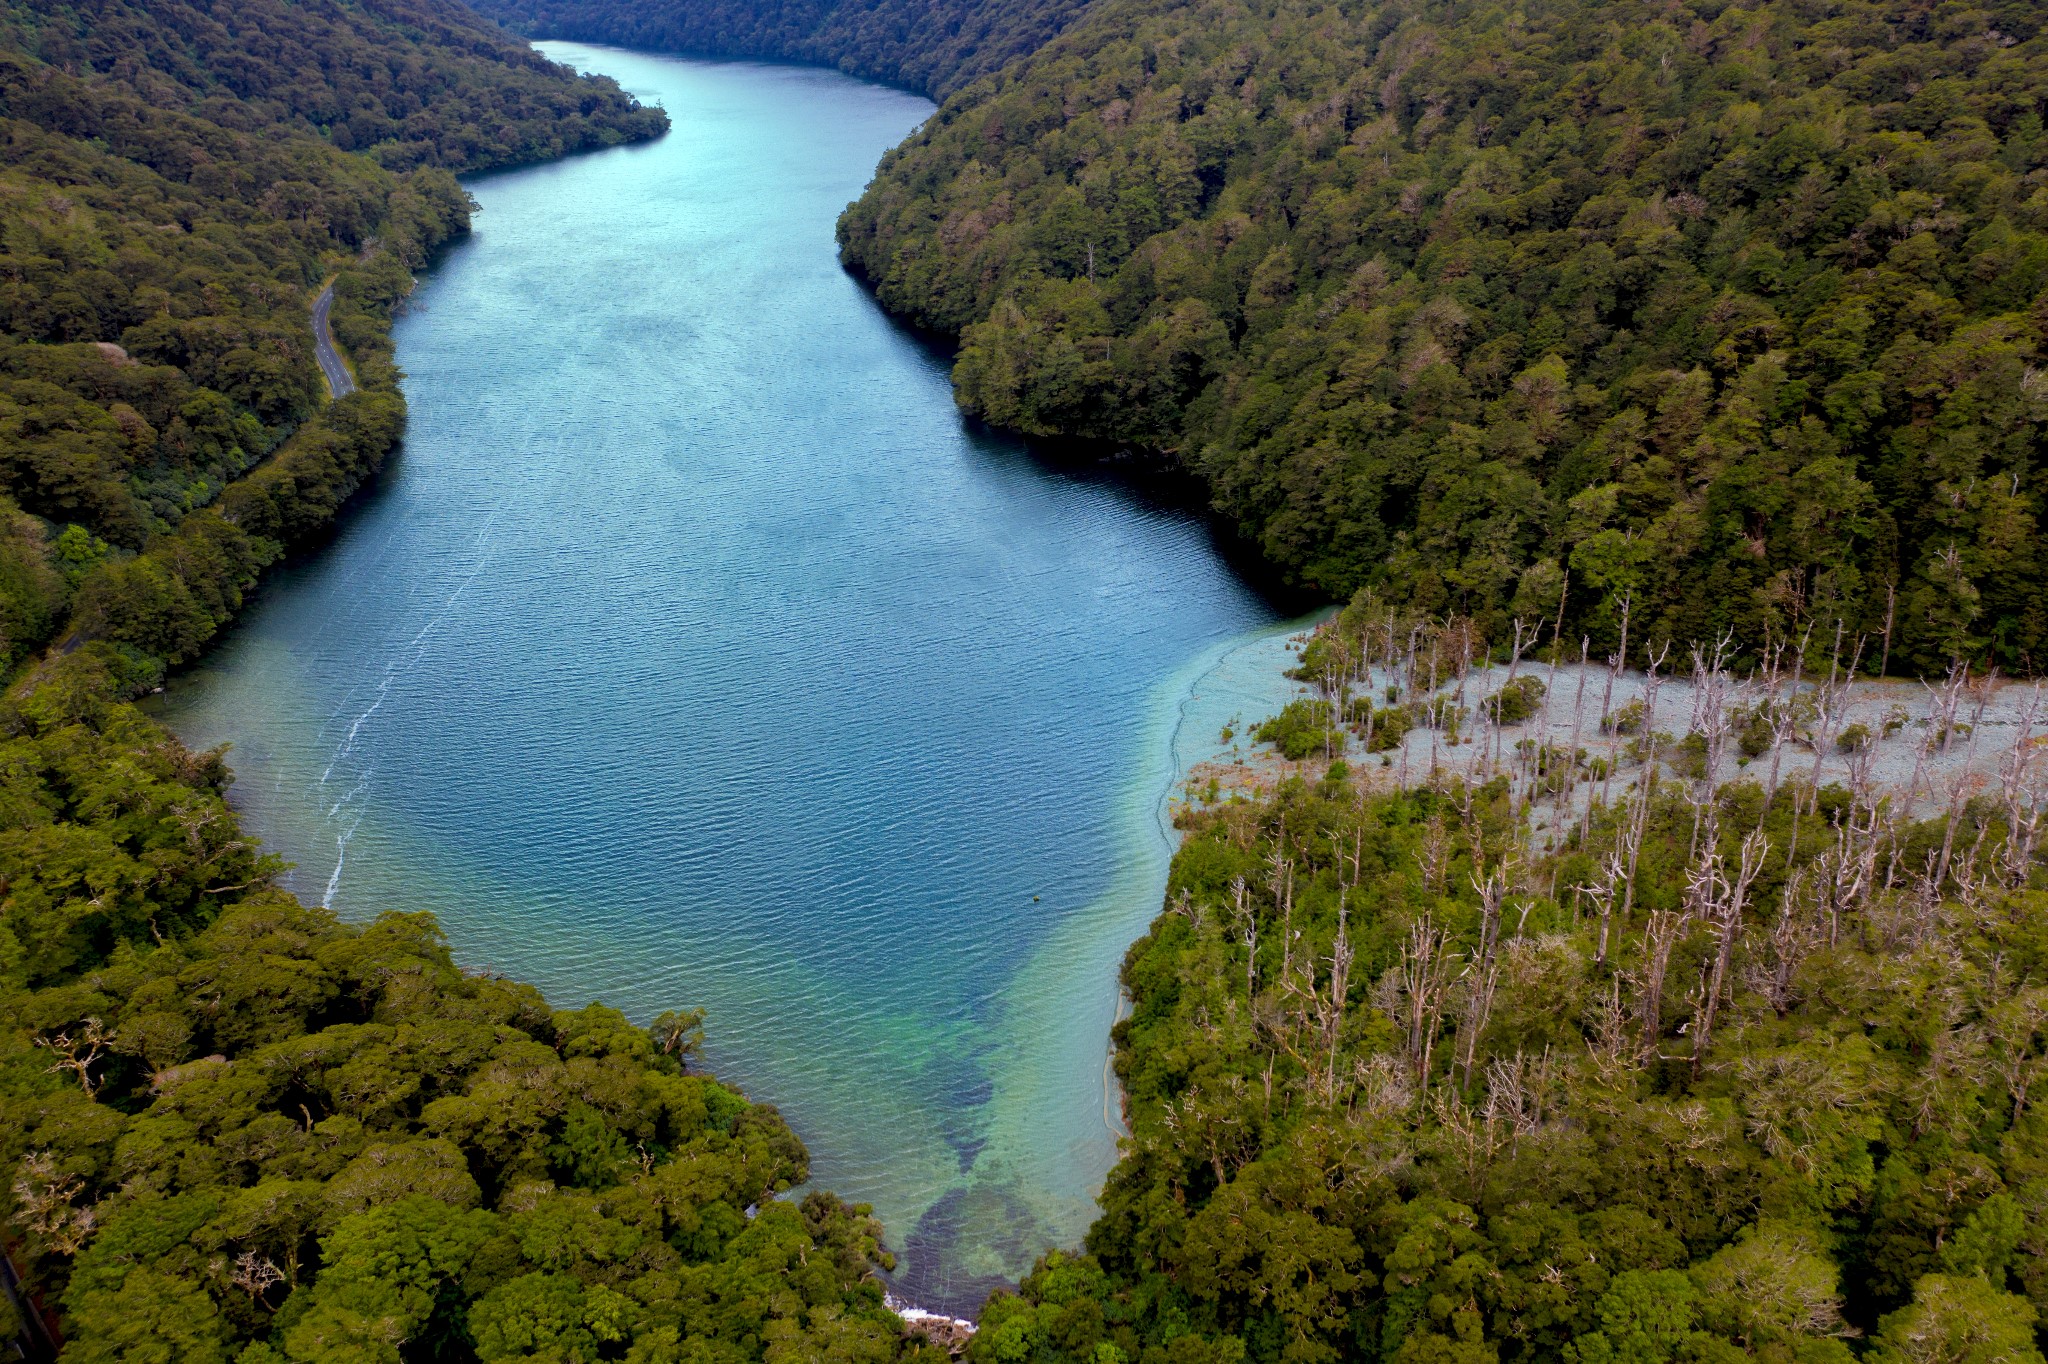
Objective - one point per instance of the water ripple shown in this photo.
(695, 652)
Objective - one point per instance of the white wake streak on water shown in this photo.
(399, 668)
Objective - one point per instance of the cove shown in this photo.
(694, 652)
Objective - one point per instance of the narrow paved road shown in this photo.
(339, 384)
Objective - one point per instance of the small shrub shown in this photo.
(1552, 765)
(1628, 720)
(1687, 757)
(1690, 756)
(1939, 738)
(1759, 730)
(1515, 702)
(1854, 739)
(1387, 727)
(1301, 728)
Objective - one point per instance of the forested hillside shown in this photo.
(1731, 313)
(932, 45)
(1481, 1073)
(160, 241)
(407, 82)
(231, 1127)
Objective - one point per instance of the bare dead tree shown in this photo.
(1603, 892)
(1483, 975)
(1578, 719)
(1248, 926)
(1942, 703)
(2013, 1026)
(1662, 929)
(1891, 605)
(1332, 1017)
(1847, 872)
(1414, 992)
(1472, 1137)
(1723, 916)
(1519, 1094)
(254, 1275)
(1710, 683)
(2023, 798)
(44, 1197)
(1514, 665)
(1792, 939)
(1610, 1048)
(1436, 852)
(1638, 821)
(1784, 715)
(79, 1054)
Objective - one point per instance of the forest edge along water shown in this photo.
(697, 652)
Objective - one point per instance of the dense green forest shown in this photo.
(162, 240)
(230, 1126)
(1702, 1073)
(406, 82)
(932, 45)
(1731, 313)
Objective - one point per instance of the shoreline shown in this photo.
(1595, 733)
(1051, 1123)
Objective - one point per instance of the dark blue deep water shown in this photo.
(695, 652)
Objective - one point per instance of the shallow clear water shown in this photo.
(695, 652)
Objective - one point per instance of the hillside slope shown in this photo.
(932, 45)
(1730, 313)
(407, 82)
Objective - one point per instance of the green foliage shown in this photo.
(232, 1119)
(1959, 1320)
(1382, 728)
(1719, 317)
(1627, 719)
(1302, 727)
(406, 83)
(1756, 730)
(176, 190)
(932, 45)
(1399, 1091)
(1515, 702)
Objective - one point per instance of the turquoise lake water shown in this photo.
(696, 652)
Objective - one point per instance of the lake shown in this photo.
(696, 652)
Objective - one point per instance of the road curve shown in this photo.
(339, 382)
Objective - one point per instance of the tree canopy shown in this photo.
(1629, 1066)
(405, 82)
(1734, 311)
(178, 183)
(932, 45)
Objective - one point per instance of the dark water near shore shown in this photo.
(695, 652)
